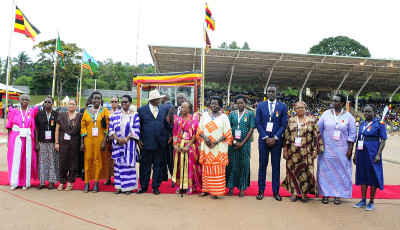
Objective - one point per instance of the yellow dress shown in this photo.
(96, 162)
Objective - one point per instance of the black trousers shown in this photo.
(169, 162)
(151, 158)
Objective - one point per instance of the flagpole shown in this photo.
(8, 65)
(203, 60)
(80, 83)
(54, 73)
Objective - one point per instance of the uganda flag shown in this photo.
(23, 26)
(89, 63)
(209, 19)
(60, 51)
(208, 43)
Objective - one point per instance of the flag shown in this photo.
(209, 19)
(60, 52)
(23, 26)
(89, 63)
(208, 43)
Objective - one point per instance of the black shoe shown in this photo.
(277, 196)
(156, 191)
(117, 191)
(128, 192)
(141, 190)
(260, 195)
(172, 184)
(96, 187)
(86, 189)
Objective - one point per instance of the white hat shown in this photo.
(154, 94)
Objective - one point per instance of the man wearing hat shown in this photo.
(154, 131)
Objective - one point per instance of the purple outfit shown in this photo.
(334, 172)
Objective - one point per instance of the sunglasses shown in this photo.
(114, 101)
(124, 102)
(47, 102)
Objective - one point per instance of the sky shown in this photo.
(108, 29)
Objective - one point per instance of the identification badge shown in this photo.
(95, 132)
(238, 134)
(47, 135)
(297, 142)
(67, 137)
(336, 135)
(270, 125)
(360, 145)
(23, 132)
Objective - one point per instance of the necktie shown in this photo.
(270, 108)
(154, 112)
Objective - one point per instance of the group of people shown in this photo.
(208, 151)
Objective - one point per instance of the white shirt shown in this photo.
(179, 110)
(152, 108)
(273, 106)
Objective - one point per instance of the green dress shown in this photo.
(238, 169)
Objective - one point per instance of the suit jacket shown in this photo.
(153, 131)
(279, 118)
(168, 105)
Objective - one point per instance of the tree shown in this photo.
(22, 60)
(340, 46)
(233, 46)
(223, 46)
(72, 59)
(246, 46)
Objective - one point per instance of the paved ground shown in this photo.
(147, 211)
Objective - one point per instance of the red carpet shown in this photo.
(389, 192)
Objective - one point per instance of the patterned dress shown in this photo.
(125, 157)
(334, 172)
(238, 169)
(48, 157)
(214, 160)
(300, 178)
(96, 161)
(183, 131)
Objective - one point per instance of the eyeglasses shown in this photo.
(47, 102)
(124, 102)
(335, 101)
(114, 101)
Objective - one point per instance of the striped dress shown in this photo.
(125, 124)
(214, 160)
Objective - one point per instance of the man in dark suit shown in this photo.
(271, 121)
(168, 163)
(153, 142)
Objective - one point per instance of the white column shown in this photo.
(391, 96)
(341, 83)
(229, 86)
(359, 91)
(304, 84)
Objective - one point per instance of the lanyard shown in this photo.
(96, 114)
(334, 113)
(240, 117)
(48, 120)
(299, 125)
(23, 117)
(362, 136)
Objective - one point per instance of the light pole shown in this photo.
(77, 88)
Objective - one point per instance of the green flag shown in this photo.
(89, 63)
(60, 52)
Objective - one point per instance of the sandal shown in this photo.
(51, 186)
(230, 193)
(60, 187)
(69, 187)
(337, 201)
(40, 187)
(325, 199)
(214, 197)
(86, 189)
(241, 193)
(203, 194)
(304, 199)
(293, 198)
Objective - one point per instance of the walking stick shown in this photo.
(183, 172)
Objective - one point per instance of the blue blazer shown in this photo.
(153, 131)
(279, 118)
